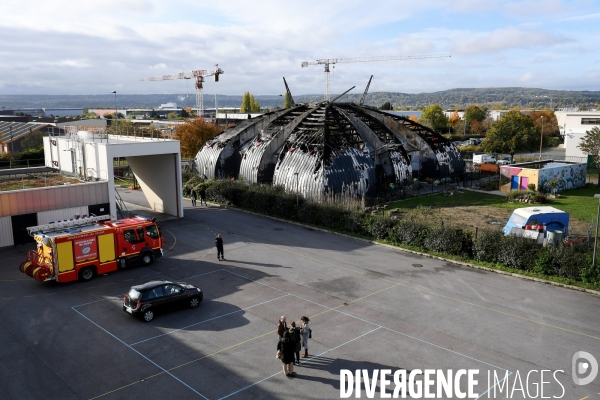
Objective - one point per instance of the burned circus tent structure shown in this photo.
(326, 148)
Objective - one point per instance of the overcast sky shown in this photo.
(94, 47)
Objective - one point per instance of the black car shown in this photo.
(155, 296)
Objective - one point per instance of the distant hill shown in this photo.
(453, 98)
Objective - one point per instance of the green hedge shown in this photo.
(490, 246)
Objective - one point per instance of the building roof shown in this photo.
(18, 130)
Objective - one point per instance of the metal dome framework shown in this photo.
(324, 149)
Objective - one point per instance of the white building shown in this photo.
(574, 125)
(156, 164)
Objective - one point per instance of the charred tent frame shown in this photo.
(326, 148)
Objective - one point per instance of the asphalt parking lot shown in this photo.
(371, 307)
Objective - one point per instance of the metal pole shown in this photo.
(596, 239)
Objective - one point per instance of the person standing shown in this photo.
(305, 330)
(219, 244)
(203, 196)
(295, 331)
(286, 346)
(193, 198)
(281, 327)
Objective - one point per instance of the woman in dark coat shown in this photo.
(287, 346)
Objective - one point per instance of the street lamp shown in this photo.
(596, 239)
(116, 116)
(541, 137)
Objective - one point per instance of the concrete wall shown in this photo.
(16, 202)
(567, 176)
(160, 180)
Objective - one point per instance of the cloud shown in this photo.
(508, 38)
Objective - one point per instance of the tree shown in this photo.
(34, 141)
(194, 134)
(386, 106)
(475, 113)
(433, 116)
(254, 106)
(549, 121)
(287, 100)
(590, 145)
(246, 106)
(454, 119)
(511, 133)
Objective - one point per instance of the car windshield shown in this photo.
(134, 294)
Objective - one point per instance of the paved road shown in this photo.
(371, 307)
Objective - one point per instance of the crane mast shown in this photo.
(198, 75)
(328, 61)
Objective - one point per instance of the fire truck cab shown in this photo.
(82, 248)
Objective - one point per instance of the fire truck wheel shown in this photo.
(146, 258)
(194, 302)
(86, 274)
(148, 315)
(24, 266)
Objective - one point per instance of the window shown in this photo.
(133, 294)
(129, 236)
(590, 121)
(140, 232)
(152, 232)
(172, 289)
(154, 293)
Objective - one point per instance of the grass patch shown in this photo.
(460, 198)
(579, 203)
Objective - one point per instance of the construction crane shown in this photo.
(329, 61)
(198, 74)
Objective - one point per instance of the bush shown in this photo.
(553, 141)
(408, 232)
(448, 240)
(380, 226)
(518, 252)
(489, 185)
(485, 247)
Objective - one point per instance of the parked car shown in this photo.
(153, 297)
(503, 161)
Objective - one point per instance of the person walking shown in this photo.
(286, 346)
(203, 195)
(219, 244)
(281, 327)
(295, 331)
(305, 330)
(193, 198)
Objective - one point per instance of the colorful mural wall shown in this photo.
(552, 176)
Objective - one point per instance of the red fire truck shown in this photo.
(80, 249)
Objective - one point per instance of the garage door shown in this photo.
(20, 223)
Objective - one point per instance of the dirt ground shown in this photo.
(484, 217)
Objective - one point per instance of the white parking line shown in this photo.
(308, 359)
(210, 319)
(149, 360)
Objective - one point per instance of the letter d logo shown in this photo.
(583, 363)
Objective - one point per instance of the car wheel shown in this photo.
(194, 302)
(86, 274)
(148, 315)
(146, 258)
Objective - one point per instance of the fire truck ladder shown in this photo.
(65, 224)
(122, 210)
